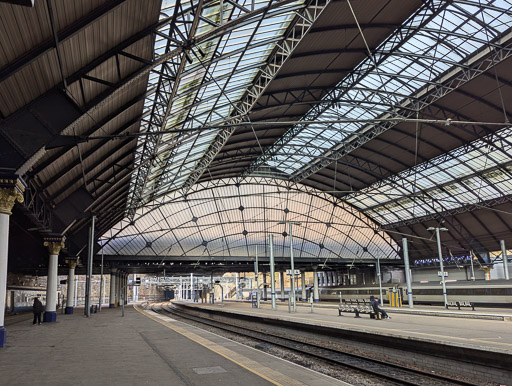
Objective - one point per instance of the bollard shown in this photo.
(289, 305)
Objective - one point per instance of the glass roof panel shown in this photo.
(405, 66)
(464, 176)
(210, 80)
(212, 219)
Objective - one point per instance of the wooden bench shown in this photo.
(460, 304)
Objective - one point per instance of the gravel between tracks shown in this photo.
(343, 374)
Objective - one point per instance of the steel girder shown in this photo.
(37, 52)
(212, 184)
(298, 30)
(181, 40)
(37, 207)
(447, 213)
(337, 93)
(181, 32)
(431, 94)
(358, 139)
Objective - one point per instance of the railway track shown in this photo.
(381, 370)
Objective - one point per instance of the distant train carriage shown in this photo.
(169, 294)
(21, 298)
(495, 293)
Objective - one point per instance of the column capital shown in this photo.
(72, 262)
(113, 270)
(314, 267)
(11, 190)
(54, 244)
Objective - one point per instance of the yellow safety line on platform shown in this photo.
(373, 328)
(254, 367)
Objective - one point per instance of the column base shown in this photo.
(111, 305)
(50, 316)
(3, 335)
(316, 300)
(68, 311)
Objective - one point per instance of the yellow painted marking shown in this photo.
(254, 367)
(373, 328)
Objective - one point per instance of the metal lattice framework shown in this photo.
(234, 218)
(412, 69)
(197, 84)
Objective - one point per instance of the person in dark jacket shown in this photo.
(375, 305)
(38, 309)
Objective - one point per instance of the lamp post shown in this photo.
(438, 237)
(292, 266)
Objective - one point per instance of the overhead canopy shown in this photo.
(229, 218)
(399, 109)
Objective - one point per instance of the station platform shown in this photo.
(140, 348)
(421, 324)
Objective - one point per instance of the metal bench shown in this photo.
(460, 304)
(360, 309)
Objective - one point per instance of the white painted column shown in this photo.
(120, 288)
(192, 287)
(408, 273)
(303, 285)
(112, 298)
(505, 259)
(4, 239)
(237, 280)
(54, 245)
(135, 289)
(264, 286)
(76, 292)
(281, 283)
(316, 297)
(71, 285)
(11, 190)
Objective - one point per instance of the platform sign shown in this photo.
(289, 272)
(440, 274)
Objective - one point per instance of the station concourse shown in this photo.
(205, 156)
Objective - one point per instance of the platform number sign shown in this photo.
(440, 274)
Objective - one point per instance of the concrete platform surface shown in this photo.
(492, 335)
(140, 348)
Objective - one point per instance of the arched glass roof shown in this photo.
(232, 218)
(440, 38)
(477, 172)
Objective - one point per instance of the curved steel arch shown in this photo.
(334, 228)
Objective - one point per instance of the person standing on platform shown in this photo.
(375, 305)
(37, 309)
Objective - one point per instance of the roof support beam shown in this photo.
(77, 161)
(448, 213)
(89, 132)
(284, 50)
(62, 35)
(99, 173)
(460, 76)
